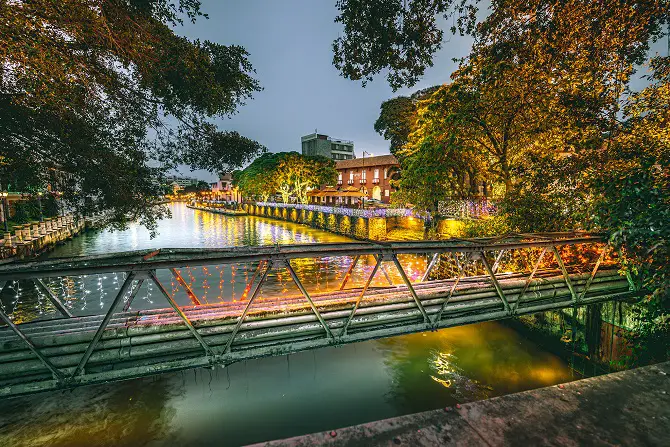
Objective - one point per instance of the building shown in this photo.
(182, 182)
(224, 190)
(367, 178)
(369, 174)
(318, 144)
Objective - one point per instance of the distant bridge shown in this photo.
(479, 280)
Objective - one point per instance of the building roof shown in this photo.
(380, 160)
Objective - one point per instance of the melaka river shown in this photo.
(268, 398)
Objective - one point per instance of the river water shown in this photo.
(268, 398)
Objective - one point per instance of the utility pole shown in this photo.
(366, 178)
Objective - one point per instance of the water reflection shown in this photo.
(267, 398)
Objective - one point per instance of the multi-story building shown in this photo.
(182, 182)
(318, 144)
(369, 174)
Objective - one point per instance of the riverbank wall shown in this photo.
(217, 210)
(364, 224)
(34, 238)
(625, 408)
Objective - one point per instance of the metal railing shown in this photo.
(464, 281)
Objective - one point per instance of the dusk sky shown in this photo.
(290, 46)
(289, 43)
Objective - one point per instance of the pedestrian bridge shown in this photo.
(462, 282)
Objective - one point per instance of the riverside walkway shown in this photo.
(630, 408)
(466, 281)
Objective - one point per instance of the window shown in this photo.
(351, 176)
(386, 193)
(339, 177)
(376, 173)
(363, 175)
(386, 171)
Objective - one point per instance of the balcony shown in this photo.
(362, 181)
(350, 182)
(339, 183)
(375, 181)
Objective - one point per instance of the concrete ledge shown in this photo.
(630, 408)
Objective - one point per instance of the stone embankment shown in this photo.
(217, 210)
(630, 408)
(36, 237)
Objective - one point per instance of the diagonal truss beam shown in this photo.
(496, 263)
(53, 298)
(430, 267)
(105, 321)
(379, 258)
(566, 277)
(593, 273)
(496, 284)
(347, 275)
(182, 315)
(529, 279)
(297, 282)
(461, 268)
(360, 297)
(248, 306)
(133, 294)
(192, 296)
(58, 375)
(403, 275)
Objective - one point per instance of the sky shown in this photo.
(290, 46)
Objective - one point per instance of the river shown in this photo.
(268, 398)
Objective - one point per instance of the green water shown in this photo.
(267, 398)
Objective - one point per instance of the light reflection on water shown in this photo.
(274, 397)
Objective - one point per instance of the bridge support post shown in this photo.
(347, 275)
(430, 267)
(194, 299)
(133, 294)
(565, 273)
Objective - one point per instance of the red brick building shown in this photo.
(370, 175)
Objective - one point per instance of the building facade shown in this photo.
(370, 175)
(319, 144)
(224, 190)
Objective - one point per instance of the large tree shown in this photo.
(99, 97)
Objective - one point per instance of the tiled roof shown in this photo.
(380, 160)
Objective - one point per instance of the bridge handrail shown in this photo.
(141, 260)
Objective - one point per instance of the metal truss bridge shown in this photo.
(462, 282)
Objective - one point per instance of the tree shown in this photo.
(287, 173)
(259, 180)
(397, 117)
(298, 173)
(93, 93)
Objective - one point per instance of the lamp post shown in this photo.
(39, 203)
(365, 186)
(5, 209)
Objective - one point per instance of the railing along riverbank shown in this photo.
(479, 280)
(217, 210)
(33, 238)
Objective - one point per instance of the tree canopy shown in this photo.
(287, 173)
(99, 98)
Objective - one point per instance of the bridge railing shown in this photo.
(133, 314)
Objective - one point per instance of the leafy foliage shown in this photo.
(93, 93)
(287, 173)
